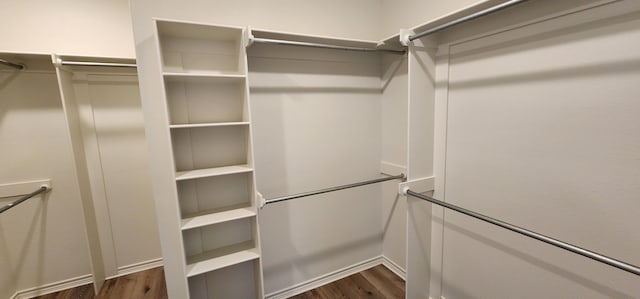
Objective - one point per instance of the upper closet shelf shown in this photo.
(260, 36)
(280, 35)
(33, 62)
(209, 172)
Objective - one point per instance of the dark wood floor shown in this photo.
(377, 282)
(147, 284)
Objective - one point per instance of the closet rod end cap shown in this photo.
(404, 36)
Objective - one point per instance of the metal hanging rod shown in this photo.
(91, 63)
(566, 246)
(336, 188)
(324, 46)
(12, 64)
(470, 17)
(21, 199)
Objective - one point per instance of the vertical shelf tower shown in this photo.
(204, 69)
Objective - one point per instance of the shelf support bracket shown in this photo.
(417, 185)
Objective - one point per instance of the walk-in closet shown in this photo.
(334, 149)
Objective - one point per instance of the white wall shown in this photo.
(316, 120)
(551, 116)
(394, 152)
(73, 27)
(42, 241)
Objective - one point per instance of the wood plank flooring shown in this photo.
(147, 284)
(377, 282)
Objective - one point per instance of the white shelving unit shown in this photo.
(204, 69)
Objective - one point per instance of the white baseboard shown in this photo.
(391, 265)
(325, 279)
(82, 280)
(54, 287)
(137, 267)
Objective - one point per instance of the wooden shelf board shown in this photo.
(208, 75)
(309, 38)
(219, 217)
(209, 172)
(221, 258)
(202, 125)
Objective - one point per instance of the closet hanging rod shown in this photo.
(336, 188)
(21, 199)
(91, 63)
(470, 17)
(12, 64)
(324, 46)
(563, 245)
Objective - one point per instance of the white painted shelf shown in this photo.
(217, 217)
(203, 125)
(179, 76)
(220, 258)
(209, 172)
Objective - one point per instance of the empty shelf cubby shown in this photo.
(195, 48)
(217, 193)
(233, 282)
(209, 147)
(206, 101)
(216, 199)
(220, 245)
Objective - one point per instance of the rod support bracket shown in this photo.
(419, 185)
(248, 37)
(261, 200)
(404, 36)
(403, 190)
(56, 60)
